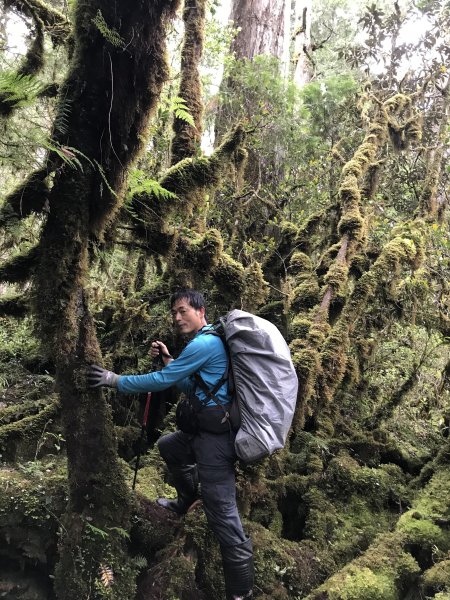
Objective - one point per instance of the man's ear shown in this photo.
(202, 311)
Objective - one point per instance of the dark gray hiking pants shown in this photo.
(214, 455)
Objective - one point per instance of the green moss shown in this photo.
(187, 138)
(437, 578)
(21, 437)
(299, 262)
(256, 288)
(363, 584)
(196, 253)
(351, 222)
(274, 312)
(299, 327)
(229, 278)
(421, 531)
(305, 295)
(337, 277)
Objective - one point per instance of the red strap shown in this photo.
(147, 408)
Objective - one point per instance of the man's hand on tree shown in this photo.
(98, 376)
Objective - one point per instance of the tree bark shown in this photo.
(261, 26)
(302, 42)
(116, 50)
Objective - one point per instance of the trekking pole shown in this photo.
(144, 425)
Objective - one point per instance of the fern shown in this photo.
(140, 561)
(140, 184)
(106, 575)
(61, 123)
(180, 110)
(111, 35)
(102, 173)
(19, 90)
(120, 532)
(96, 530)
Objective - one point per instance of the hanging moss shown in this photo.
(305, 295)
(351, 222)
(318, 332)
(404, 121)
(256, 288)
(299, 262)
(299, 326)
(337, 277)
(200, 253)
(229, 278)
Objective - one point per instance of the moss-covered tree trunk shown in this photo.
(187, 136)
(113, 85)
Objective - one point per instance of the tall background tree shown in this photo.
(323, 207)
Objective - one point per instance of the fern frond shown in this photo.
(66, 153)
(179, 107)
(19, 90)
(140, 561)
(140, 184)
(111, 35)
(106, 182)
(61, 123)
(106, 575)
(96, 530)
(121, 532)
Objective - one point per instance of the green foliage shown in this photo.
(17, 341)
(18, 90)
(140, 183)
(180, 109)
(112, 36)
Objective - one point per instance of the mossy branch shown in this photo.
(184, 179)
(31, 424)
(31, 196)
(14, 306)
(54, 21)
(429, 207)
(389, 567)
(19, 268)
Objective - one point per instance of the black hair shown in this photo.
(195, 298)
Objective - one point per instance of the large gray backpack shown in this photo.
(265, 383)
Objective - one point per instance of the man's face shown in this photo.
(187, 319)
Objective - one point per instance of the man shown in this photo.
(206, 456)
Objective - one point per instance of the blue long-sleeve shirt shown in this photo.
(204, 354)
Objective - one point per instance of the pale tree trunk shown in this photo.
(303, 66)
(261, 26)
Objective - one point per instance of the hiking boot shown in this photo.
(238, 570)
(185, 481)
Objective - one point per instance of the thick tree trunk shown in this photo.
(116, 50)
(261, 26)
